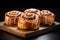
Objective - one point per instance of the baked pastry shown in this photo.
(28, 21)
(11, 17)
(47, 17)
(33, 10)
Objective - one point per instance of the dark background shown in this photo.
(7, 5)
(52, 5)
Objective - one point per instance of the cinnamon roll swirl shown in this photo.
(33, 10)
(11, 17)
(28, 21)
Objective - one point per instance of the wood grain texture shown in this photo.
(24, 33)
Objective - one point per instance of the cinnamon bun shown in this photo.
(33, 10)
(47, 17)
(28, 21)
(11, 17)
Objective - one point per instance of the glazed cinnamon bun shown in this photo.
(47, 17)
(11, 17)
(33, 10)
(28, 21)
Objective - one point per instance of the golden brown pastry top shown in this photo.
(46, 12)
(32, 10)
(13, 13)
(29, 16)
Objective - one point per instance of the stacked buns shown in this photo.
(29, 19)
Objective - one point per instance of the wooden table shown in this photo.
(49, 36)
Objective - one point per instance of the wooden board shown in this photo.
(26, 34)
